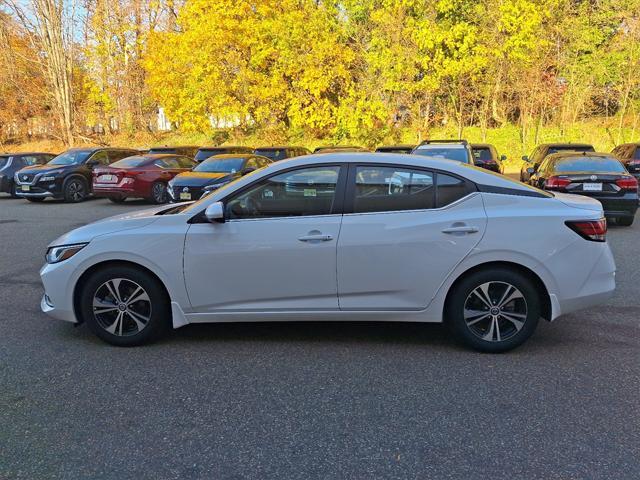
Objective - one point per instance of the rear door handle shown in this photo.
(460, 230)
(315, 238)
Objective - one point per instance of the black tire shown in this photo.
(13, 192)
(75, 190)
(625, 221)
(127, 332)
(35, 199)
(158, 193)
(506, 333)
(117, 199)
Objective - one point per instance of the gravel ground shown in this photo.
(319, 400)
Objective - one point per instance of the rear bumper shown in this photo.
(114, 191)
(615, 207)
(597, 288)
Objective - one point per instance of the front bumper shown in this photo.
(57, 301)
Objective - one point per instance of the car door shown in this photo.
(275, 251)
(407, 230)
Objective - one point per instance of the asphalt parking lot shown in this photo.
(320, 400)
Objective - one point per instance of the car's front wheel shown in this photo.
(493, 310)
(125, 306)
(75, 190)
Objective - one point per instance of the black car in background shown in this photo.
(533, 161)
(185, 150)
(598, 175)
(404, 148)
(629, 155)
(206, 152)
(67, 176)
(10, 163)
(486, 156)
(211, 174)
(281, 152)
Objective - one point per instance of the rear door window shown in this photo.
(388, 189)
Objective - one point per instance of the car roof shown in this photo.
(17, 154)
(163, 147)
(482, 145)
(473, 173)
(230, 155)
(555, 156)
(278, 147)
(221, 147)
(400, 145)
(566, 145)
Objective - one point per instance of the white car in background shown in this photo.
(344, 236)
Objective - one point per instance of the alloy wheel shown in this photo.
(159, 193)
(76, 190)
(122, 307)
(495, 311)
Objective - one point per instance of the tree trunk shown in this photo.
(57, 62)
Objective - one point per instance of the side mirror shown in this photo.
(531, 170)
(215, 212)
(503, 158)
(525, 158)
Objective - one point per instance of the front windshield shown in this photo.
(588, 164)
(445, 153)
(71, 157)
(220, 165)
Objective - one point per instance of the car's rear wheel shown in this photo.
(75, 190)
(158, 193)
(625, 221)
(125, 306)
(493, 310)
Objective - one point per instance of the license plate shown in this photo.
(592, 187)
(26, 188)
(107, 179)
(185, 196)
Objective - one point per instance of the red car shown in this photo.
(140, 176)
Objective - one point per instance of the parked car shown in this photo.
(213, 173)
(184, 150)
(67, 176)
(338, 148)
(141, 176)
(280, 153)
(10, 163)
(629, 155)
(206, 152)
(486, 156)
(598, 175)
(457, 150)
(532, 162)
(340, 237)
(395, 148)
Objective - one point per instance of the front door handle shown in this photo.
(316, 237)
(460, 230)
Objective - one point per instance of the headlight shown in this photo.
(63, 252)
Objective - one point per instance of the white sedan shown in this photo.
(344, 236)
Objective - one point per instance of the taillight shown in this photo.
(557, 183)
(594, 230)
(628, 183)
